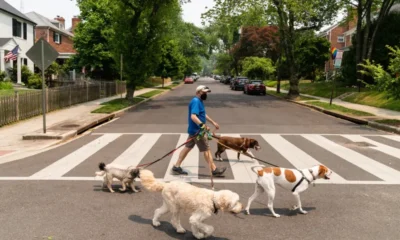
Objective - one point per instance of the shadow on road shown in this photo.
(167, 228)
(280, 211)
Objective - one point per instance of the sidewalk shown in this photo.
(379, 112)
(63, 120)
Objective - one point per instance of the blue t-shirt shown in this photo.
(196, 106)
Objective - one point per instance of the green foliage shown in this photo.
(92, 38)
(384, 81)
(35, 81)
(6, 85)
(25, 74)
(311, 54)
(172, 61)
(3, 76)
(224, 63)
(54, 68)
(256, 67)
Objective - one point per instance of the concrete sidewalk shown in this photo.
(379, 112)
(11, 137)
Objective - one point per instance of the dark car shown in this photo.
(238, 83)
(254, 86)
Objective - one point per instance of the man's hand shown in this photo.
(216, 125)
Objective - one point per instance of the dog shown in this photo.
(293, 180)
(124, 174)
(180, 197)
(242, 145)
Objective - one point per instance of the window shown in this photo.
(25, 31)
(17, 28)
(340, 39)
(57, 38)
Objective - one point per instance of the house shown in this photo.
(16, 30)
(340, 34)
(53, 30)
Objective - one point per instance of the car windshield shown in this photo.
(256, 82)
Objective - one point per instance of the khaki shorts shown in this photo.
(202, 144)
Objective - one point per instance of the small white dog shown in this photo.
(119, 172)
(180, 197)
(289, 179)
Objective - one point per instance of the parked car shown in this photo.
(189, 80)
(238, 83)
(227, 80)
(254, 86)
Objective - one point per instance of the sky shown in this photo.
(67, 9)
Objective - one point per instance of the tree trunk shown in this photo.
(294, 83)
(366, 30)
(278, 86)
(359, 39)
(386, 6)
(162, 82)
(130, 89)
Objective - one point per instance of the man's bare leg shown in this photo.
(182, 156)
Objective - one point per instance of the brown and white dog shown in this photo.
(293, 180)
(242, 145)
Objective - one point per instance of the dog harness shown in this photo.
(303, 178)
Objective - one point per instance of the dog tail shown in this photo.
(149, 182)
(253, 167)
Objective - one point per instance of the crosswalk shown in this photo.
(354, 159)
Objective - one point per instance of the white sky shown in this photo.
(67, 9)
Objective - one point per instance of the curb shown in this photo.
(384, 127)
(71, 134)
(376, 125)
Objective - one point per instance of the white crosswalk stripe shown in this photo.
(239, 171)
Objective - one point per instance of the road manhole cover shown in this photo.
(358, 144)
(70, 125)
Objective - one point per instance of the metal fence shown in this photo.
(25, 105)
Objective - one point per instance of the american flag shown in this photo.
(12, 55)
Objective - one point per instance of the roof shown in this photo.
(43, 21)
(11, 10)
(3, 41)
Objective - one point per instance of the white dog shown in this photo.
(289, 179)
(180, 197)
(119, 172)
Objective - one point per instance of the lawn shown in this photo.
(392, 122)
(299, 98)
(117, 104)
(338, 108)
(150, 94)
(170, 86)
(374, 99)
(319, 89)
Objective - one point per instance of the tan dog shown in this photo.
(242, 145)
(293, 180)
(181, 197)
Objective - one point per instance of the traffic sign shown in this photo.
(49, 54)
(43, 55)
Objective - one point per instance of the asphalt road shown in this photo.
(54, 194)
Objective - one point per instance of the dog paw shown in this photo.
(303, 211)
(207, 231)
(122, 190)
(247, 211)
(156, 223)
(181, 230)
(199, 235)
(276, 215)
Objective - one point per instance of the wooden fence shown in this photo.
(25, 105)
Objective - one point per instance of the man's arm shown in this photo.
(195, 119)
(212, 121)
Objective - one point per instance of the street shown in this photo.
(56, 194)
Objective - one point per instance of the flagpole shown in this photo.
(43, 92)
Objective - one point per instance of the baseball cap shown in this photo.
(203, 89)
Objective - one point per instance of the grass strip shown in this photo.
(116, 105)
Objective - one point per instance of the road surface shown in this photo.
(55, 194)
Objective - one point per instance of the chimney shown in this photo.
(75, 21)
(61, 20)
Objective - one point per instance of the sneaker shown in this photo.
(218, 171)
(178, 171)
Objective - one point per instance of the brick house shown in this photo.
(55, 33)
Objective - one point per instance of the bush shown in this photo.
(3, 76)
(385, 81)
(25, 74)
(35, 81)
(6, 85)
(256, 67)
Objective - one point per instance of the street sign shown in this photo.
(43, 55)
(35, 54)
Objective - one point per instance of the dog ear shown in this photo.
(322, 170)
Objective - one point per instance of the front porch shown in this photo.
(6, 46)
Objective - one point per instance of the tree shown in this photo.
(139, 34)
(172, 61)
(92, 38)
(312, 52)
(256, 67)
(291, 17)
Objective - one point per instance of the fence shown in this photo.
(29, 104)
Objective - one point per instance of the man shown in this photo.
(197, 119)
